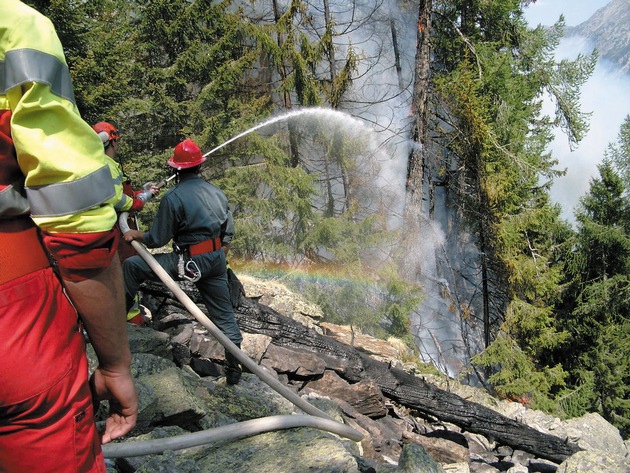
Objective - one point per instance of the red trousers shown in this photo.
(46, 414)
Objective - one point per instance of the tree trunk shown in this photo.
(392, 26)
(416, 164)
(293, 144)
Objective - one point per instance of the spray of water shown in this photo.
(271, 121)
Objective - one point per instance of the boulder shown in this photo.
(594, 461)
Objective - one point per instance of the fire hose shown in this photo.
(317, 419)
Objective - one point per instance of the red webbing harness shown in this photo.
(205, 246)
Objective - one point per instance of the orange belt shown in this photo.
(21, 252)
(206, 246)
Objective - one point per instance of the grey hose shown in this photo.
(341, 429)
(224, 433)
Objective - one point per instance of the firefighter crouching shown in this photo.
(55, 192)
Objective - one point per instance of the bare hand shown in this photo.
(133, 235)
(119, 389)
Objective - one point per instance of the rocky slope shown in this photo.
(177, 366)
(609, 30)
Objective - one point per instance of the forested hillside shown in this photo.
(408, 116)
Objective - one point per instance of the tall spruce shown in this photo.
(596, 302)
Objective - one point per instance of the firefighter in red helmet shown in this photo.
(186, 155)
(126, 199)
(195, 215)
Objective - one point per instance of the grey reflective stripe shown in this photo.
(121, 203)
(66, 198)
(12, 201)
(118, 181)
(29, 65)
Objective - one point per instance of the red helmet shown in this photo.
(186, 155)
(106, 132)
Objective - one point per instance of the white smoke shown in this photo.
(607, 96)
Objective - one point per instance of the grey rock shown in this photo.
(414, 459)
(365, 396)
(594, 462)
(178, 398)
(595, 433)
(296, 362)
(609, 29)
(476, 467)
(289, 451)
(521, 457)
(539, 465)
(144, 364)
(518, 469)
(147, 340)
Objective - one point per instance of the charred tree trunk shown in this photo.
(419, 133)
(407, 390)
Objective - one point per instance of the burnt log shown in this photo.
(407, 390)
(396, 384)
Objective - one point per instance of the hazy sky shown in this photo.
(606, 95)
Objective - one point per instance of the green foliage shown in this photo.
(379, 304)
(619, 153)
(272, 208)
(492, 74)
(348, 303)
(611, 366)
(596, 303)
(578, 400)
(517, 378)
(401, 301)
(603, 244)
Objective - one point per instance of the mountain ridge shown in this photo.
(609, 31)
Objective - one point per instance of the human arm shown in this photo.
(164, 223)
(94, 298)
(134, 235)
(227, 231)
(137, 199)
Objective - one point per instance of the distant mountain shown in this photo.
(609, 29)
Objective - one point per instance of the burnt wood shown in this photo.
(408, 390)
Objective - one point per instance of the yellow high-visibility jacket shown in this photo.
(51, 162)
(67, 182)
(122, 202)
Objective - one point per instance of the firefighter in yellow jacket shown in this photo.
(126, 199)
(55, 193)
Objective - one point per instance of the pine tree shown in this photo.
(596, 301)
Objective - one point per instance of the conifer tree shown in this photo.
(596, 303)
(490, 74)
